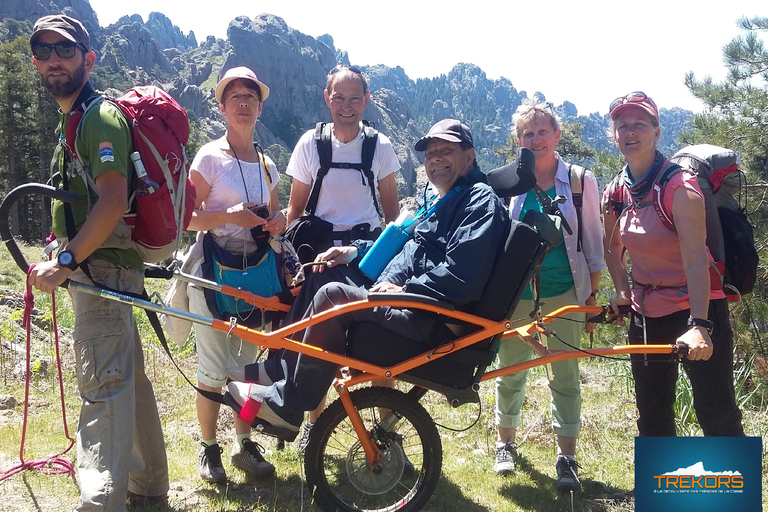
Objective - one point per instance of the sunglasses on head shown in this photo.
(338, 68)
(633, 97)
(64, 49)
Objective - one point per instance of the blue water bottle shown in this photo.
(389, 243)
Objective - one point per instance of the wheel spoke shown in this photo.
(337, 467)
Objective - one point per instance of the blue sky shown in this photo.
(586, 52)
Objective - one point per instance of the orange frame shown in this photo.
(279, 340)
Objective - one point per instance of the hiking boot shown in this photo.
(211, 467)
(251, 460)
(621, 497)
(139, 500)
(304, 435)
(567, 475)
(506, 456)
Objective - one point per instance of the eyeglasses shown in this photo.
(633, 97)
(243, 98)
(339, 67)
(64, 49)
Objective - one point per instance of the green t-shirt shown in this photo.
(556, 276)
(103, 144)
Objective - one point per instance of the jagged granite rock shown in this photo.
(193, 99)
(394, 79)
(295, 67)
(292, 64)
(131, 45)
(342, 57)
(199, 73)
(167, 34)
(31, 10)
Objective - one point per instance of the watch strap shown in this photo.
(701, 322)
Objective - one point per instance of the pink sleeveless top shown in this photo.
(658, 277)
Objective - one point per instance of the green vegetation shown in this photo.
(605, 449)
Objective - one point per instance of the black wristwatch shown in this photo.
(701, 322)
(67, 259)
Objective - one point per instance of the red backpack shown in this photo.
(160, 132)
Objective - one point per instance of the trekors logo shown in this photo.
(697, 479)
(698, 473)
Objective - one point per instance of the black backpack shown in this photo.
(309, 234)
(576, 178)
(324, 150)
(730, 234)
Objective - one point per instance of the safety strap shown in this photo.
(576, 178)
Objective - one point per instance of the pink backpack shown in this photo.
(160, 131)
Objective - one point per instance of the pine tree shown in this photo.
(736, 112)
(736, 116)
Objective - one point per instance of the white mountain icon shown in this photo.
(698, 470)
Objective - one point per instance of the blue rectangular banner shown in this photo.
(705, 474)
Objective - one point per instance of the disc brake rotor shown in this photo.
(362, 476)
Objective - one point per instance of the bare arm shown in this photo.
(276, 222)
(389, 202)
(297, 202)
(690, 224)
(594, 279)
(613, 249)
(112, 188)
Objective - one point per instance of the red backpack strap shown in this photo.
(615, 202)
(657, 193)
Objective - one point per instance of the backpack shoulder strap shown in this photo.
(370, 140)
(267, 173)
(576, 178)
(657, 194)
(82, 168)
(324, 151)
(614, 203)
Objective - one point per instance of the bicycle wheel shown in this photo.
(411, 454)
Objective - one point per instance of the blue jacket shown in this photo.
(452, 252)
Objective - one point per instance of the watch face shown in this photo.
(66, 259)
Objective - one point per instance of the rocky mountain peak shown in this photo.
(169, 35)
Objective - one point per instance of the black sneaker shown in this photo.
(304, 435)
(506, 456)
(211, 467)
(251, 460)
(567, 475)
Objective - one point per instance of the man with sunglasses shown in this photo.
(345, 198)
(120, 446)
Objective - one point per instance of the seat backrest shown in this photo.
(453, 374)
(511, 273)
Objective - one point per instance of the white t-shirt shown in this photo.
(345, 196)
(222, 173)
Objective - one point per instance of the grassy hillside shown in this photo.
(605, 450)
